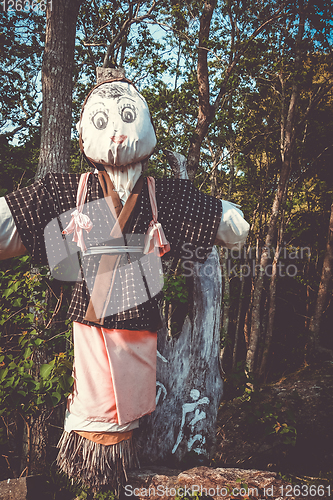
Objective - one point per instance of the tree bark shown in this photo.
(57, 85)
(205, 111)
(272, 307)
(225, 310)
(326, 276)
(239, 312)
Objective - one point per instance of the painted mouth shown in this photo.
(118, 139)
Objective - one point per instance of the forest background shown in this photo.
(244, 91)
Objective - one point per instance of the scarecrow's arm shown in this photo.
(233, 228)
(10, 241)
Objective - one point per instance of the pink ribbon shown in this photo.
(79, 220)
(155, 239)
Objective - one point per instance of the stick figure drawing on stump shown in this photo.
(198, 415)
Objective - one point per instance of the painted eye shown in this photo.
(100, 120)
(128, 113)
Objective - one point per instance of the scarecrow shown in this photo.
(110, 228)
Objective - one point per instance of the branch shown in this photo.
(318, 97)
(90, 52)
(205, 114)
(216, 163)
(290, 129)
(137, 8)
(320, 154)
(129, 21)
(94, 44)
(237, 57)
(99, 29)
(24, 123)
(202, 68)
(181, 34)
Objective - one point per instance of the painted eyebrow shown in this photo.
(125, 97)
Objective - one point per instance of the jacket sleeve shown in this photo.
(34, 206)
(10, 242)
(189, 217)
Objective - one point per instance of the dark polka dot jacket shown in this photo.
(190, 220)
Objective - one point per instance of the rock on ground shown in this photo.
(23, 488)
(161, 483)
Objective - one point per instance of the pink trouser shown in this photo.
(114, 374)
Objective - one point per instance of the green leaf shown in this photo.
(68, 364)
(40, 400)
(9, 382)
(3, 374)
(7, 292)
(45, 370)
(56, 397)
(27, 353)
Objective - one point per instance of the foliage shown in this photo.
(59, 487)
(269, 419)
(26, 385)
(174, 289)
(176, 298)
(22, 40)
(23, 392)
(264, 418)
(18, 163)
(240, 382)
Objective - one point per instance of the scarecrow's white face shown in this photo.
(115, 125)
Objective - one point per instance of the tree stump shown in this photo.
(189, 384)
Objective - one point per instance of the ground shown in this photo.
(286, 426)
(283, 429)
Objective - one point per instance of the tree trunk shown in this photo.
(57, 78)
(239, 312)
(247, 320)
(189, 382)
(225, 312)
(205, 110)
(326, 276)
(232, 168)
(271, 316)
(272, 305)
(57, 85)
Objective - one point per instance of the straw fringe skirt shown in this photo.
(94, 464)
